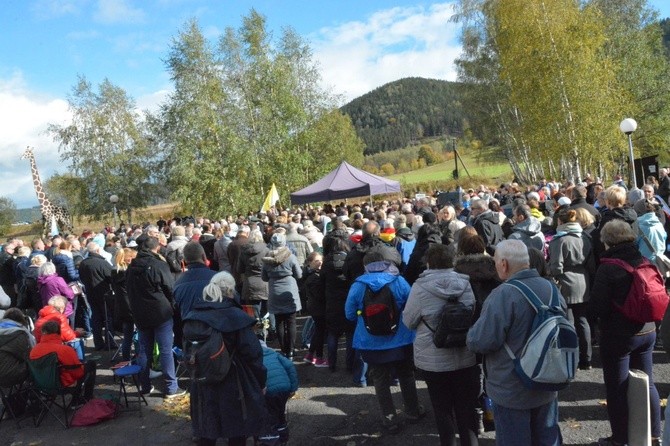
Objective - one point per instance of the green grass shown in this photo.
(486, 165)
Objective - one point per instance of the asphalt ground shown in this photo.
(327, 410)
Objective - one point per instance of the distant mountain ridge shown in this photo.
(29, 215)
(400, 113)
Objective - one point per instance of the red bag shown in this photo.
(647, 299)
(93, 412)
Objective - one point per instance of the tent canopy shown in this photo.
(345, 182)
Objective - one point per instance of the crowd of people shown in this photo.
(250, 276)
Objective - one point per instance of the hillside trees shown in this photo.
(105, 145)
(246, 113)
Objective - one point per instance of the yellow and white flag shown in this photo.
(271, 198)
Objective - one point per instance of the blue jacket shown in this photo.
(282, 375)
(376, 281)
(65, 267)
(188, 288)
(649, 225)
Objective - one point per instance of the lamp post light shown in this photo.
(628, 126)
(114, 199)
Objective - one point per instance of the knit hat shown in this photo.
(564, 201)
(278, 240)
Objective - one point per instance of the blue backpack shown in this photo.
(550, 355)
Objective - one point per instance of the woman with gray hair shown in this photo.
(51, 284)
(624, 344)
(235, 408)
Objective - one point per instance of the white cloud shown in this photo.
(117, 11)
(356, 57)
(50, 9)
(25, 117)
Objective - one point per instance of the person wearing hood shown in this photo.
(51, 284)
(15, 344)
(487, 224)
(282, 271)
(405, 242)
(615, 201)
(451, 374)
(649, 229)
(235, 408)
(572, 265)
(353, 265)
(250, 267)
(385, 354)
(528, 229)
(429, 234)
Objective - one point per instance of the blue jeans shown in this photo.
(162, 335)
(527, 427)
(78, 346)
(619, 355)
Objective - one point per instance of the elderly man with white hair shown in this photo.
(522, 416)
(95, 273)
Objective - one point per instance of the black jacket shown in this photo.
(353, 266)
(487, 226)
(626, 214)
(149, 283)
(611, 285)
(96, 274)
(122, 311)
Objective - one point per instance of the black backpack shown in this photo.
(381, 314)
(454, 321)
(175, 260)
(205, 353)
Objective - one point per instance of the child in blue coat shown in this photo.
(281, 384)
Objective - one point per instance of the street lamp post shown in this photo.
(114, 199)
(628, 126)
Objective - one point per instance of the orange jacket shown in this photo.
(66, 356)
(49, 313)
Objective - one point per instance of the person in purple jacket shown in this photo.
(51, 284)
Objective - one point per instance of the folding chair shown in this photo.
(14, 402)
(130, 371)
(47, 389)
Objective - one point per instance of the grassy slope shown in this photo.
(486, 165)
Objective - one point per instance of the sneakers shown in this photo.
(154, 374)
(309, 358)
(320, 362)
(175, 394)
(148, 392)
(416, 417)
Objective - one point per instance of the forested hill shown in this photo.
(401, 112)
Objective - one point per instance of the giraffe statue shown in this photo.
(50, 212)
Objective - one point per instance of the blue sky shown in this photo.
(46, 44)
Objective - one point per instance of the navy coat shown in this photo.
(217, 410)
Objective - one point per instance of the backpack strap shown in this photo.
(532, 297)
(534, 301)
(618, 262)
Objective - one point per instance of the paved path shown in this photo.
(326, 411)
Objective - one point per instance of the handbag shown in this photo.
(661, 261)
(76, 288)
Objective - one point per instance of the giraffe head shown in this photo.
(28, 153)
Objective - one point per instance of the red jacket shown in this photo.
(49, 313)
(66, 356)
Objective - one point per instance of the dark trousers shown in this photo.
(577, 315)
(619, 355)
(90, 369)
(319, 336)
(333, 339)
(100, 310)
(286, 330)
(382, 375)
(453, 396)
